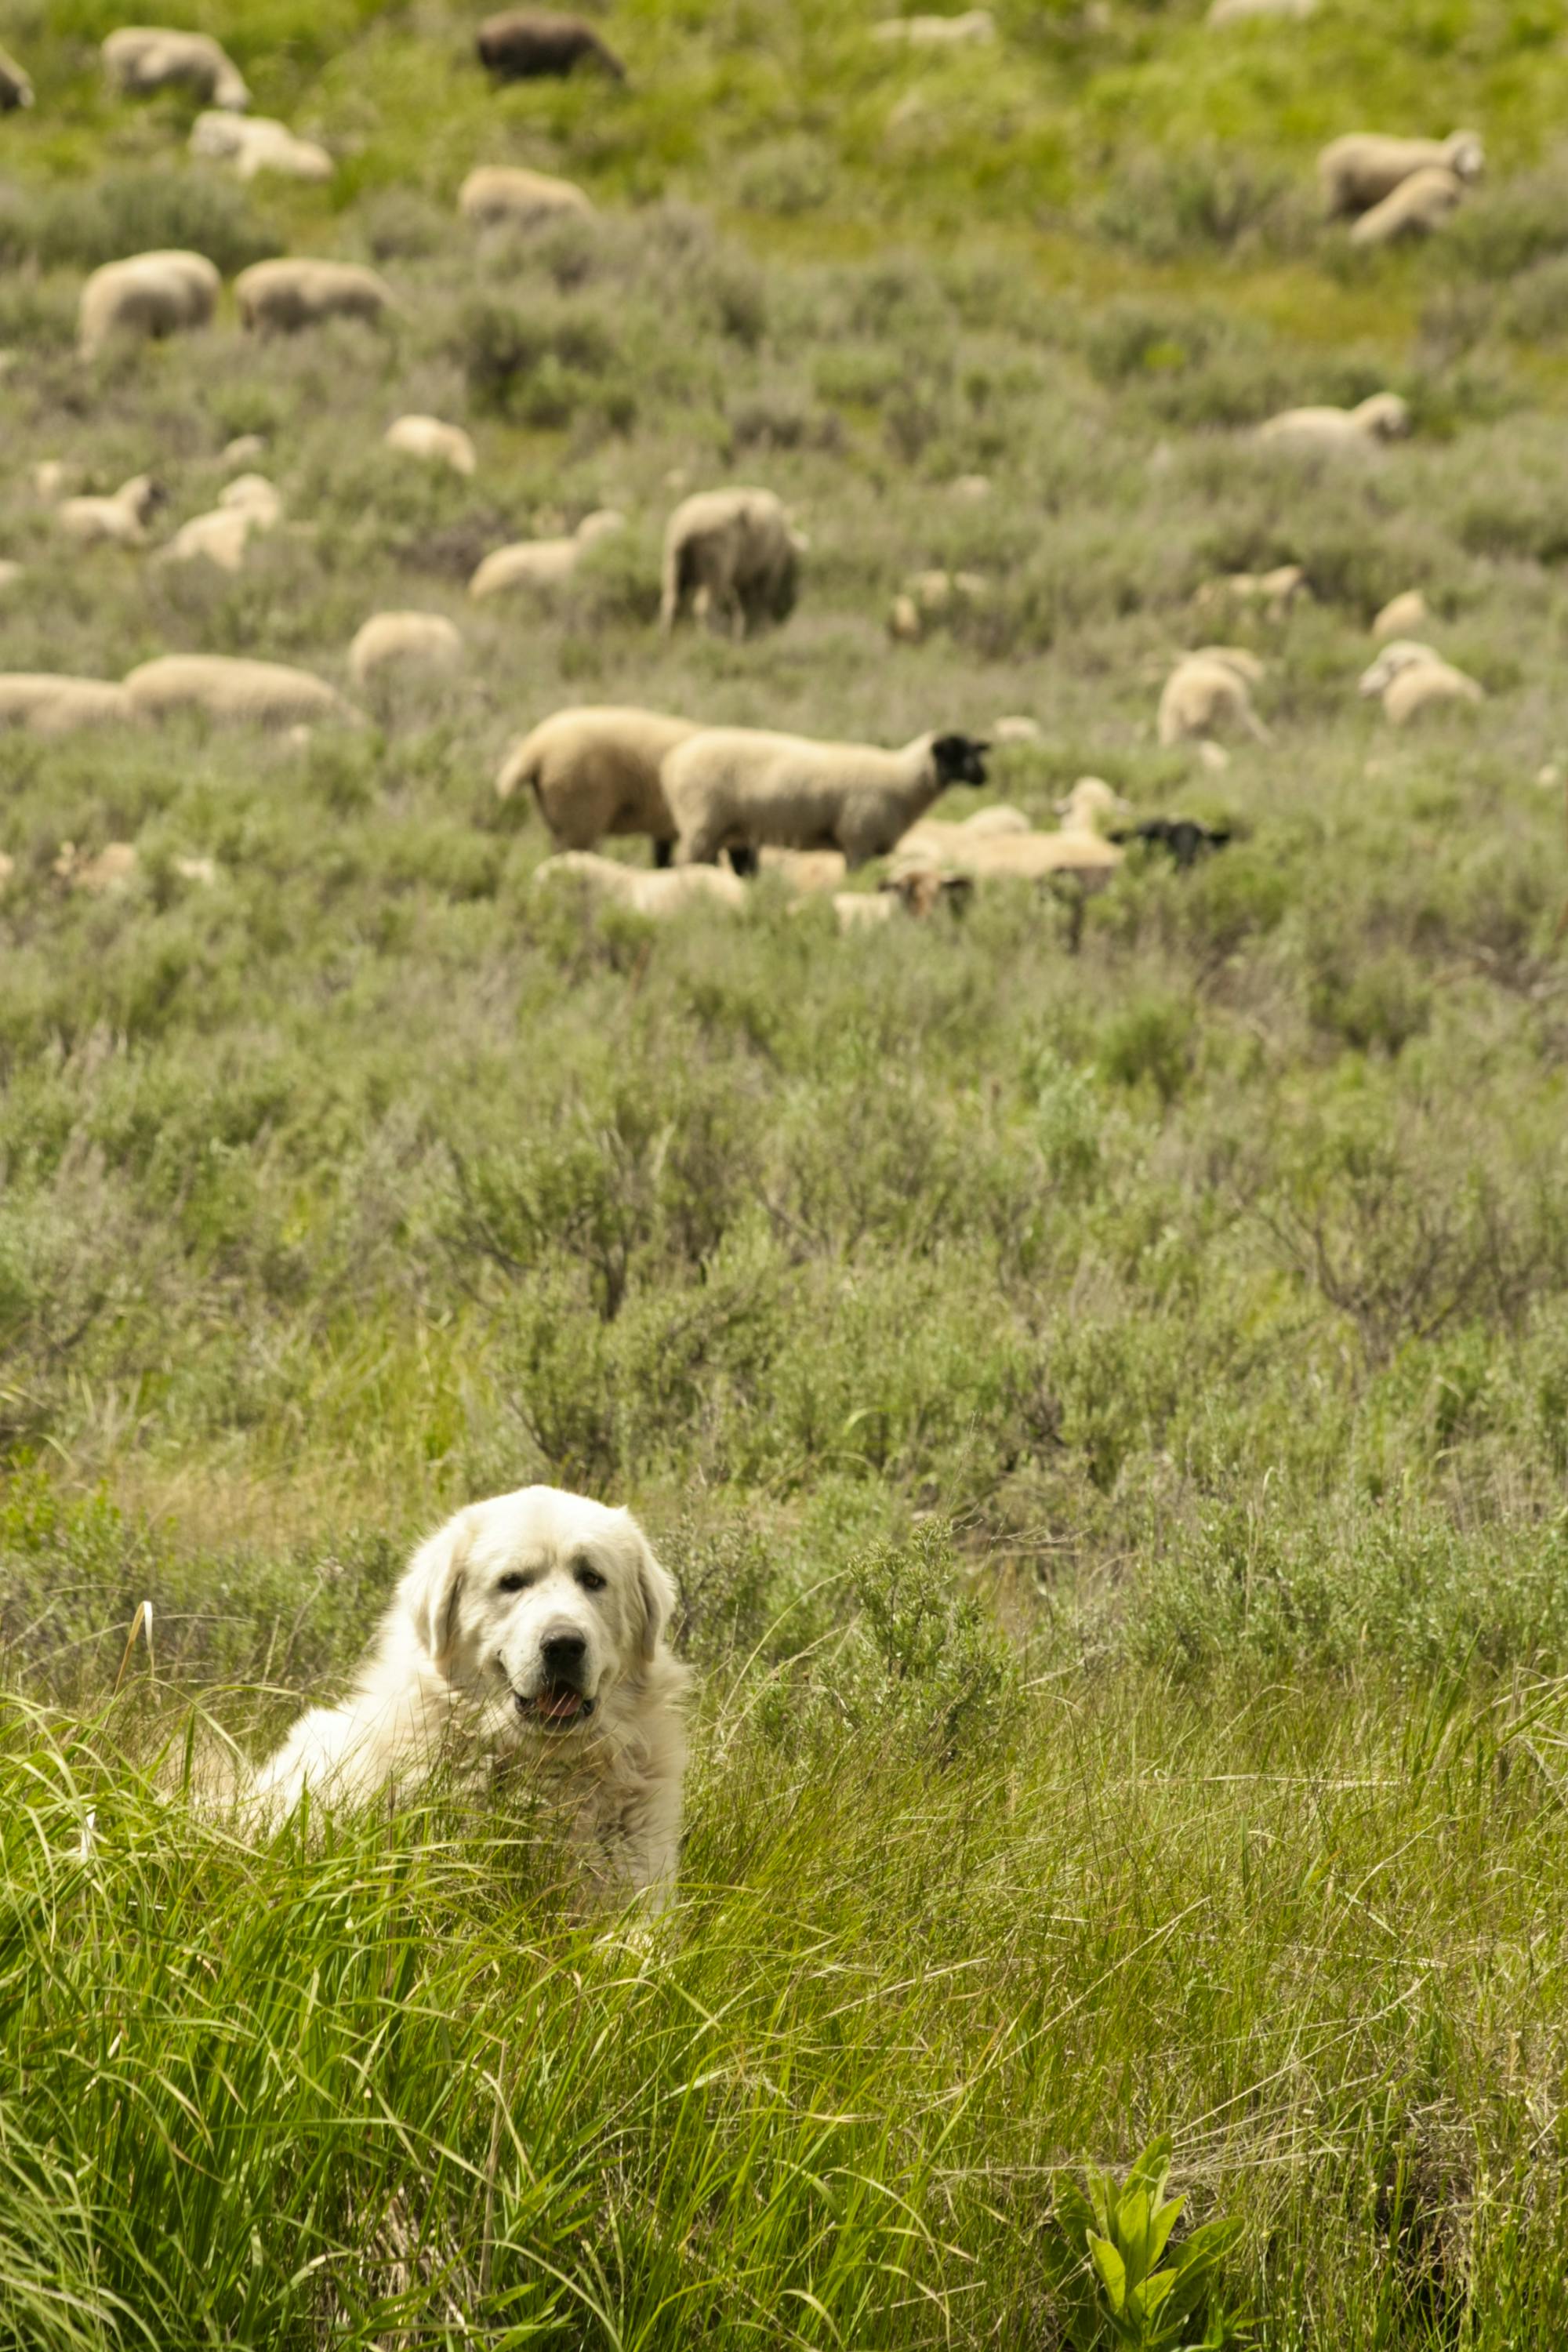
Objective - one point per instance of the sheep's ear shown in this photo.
(433, 1585)
(653, 1595)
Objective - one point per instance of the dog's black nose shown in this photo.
(564, 1653)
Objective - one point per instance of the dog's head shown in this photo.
(541, 1598)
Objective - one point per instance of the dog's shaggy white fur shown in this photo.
(528, 1633)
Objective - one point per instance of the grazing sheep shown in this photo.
(529, 44)
(499, 196)
(730, 557)
(15, 89)
(427, 437)
(927, 596)
(149, 295)
(1383, 417)
(120, 520)
(255, 143)
(1361, 170)
(941, 837)
(1417, 206)
(1401, 616)
(974, 25)
(249, 504)
(1090, 804)
(1247, 12)
(1017, 729)
(542, 564)
(735, 787)
(1412, 677)
(244, 449)
(809, 873)
(595, 772)
(49, 705)
(141, 58)
(1275, 590)
(1182, 836)
(1210, 690)
(112, 870)
(283, 296)
(250, 693)
(420, 640)
(657, 894)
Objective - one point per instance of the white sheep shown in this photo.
(732, 558)
(141, 58)
(49, 705)
(974, 26)
(1275, 590)
(426, 641)
(809, 873)
(1401, 616)
(927, 596)
(1247, 12)
(1090, 805)
(542, 564)
(118, 521)
(942, 837)
(595, 772)
(1412, 677)
(247, 505)
(427, 437)
(1210, 690)
(506, 196)
(1361, 170)
(283, 296)
(224, 687)
(1017, 726)
(15, 89)
(1416, 207)
(111, 871)
(735, 787)
(1383, 417)
(659, 893)
(255, 143)
(148, 295)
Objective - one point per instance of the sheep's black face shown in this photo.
(960, 759)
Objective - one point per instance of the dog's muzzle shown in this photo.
(560, 1702)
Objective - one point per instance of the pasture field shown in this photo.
(1105, 1403)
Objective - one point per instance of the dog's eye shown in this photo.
(590, 1579)
(513, 1581)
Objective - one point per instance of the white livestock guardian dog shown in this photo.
(526, 1633)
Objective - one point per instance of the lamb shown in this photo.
(248, 504)
(1401, 616)
(141, 58)
(15, 89)
(255, 143)
(1090, 804)
(731, 558)
(940, 837)
(1359, 171)
(120, 520)
(660, 895)
(542, 564)
(253, 693)
(595, 772)
(976, 25)
(427, 437)
(499, 196)
(1383, 417)
(927, 596)
(421, 640)
(148, 295)
(733, 787)
(1209, 689)
(527, 44)
(1275, 590)
(1412, 677)
(1416, 206)
(283, 296)
(49, 705)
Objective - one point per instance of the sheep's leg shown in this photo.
(1255, 728)
(700, 847)
(663, 851)
(742, 859)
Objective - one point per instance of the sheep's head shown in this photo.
(143, 495)
(1466, 156)
(1402, 655)
(1385, 417)
(960, 759)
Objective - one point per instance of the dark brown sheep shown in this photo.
(523, 44)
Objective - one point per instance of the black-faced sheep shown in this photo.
(148, 295)
(731, 558)
(736, 788)
(528, 44)
(141, 58)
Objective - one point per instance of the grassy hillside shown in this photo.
(1107, 1409)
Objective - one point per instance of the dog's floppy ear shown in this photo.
(434, 1583)
(653, 1592)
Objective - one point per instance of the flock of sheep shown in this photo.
(810, 812)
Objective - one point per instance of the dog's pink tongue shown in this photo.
(558, 1704)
